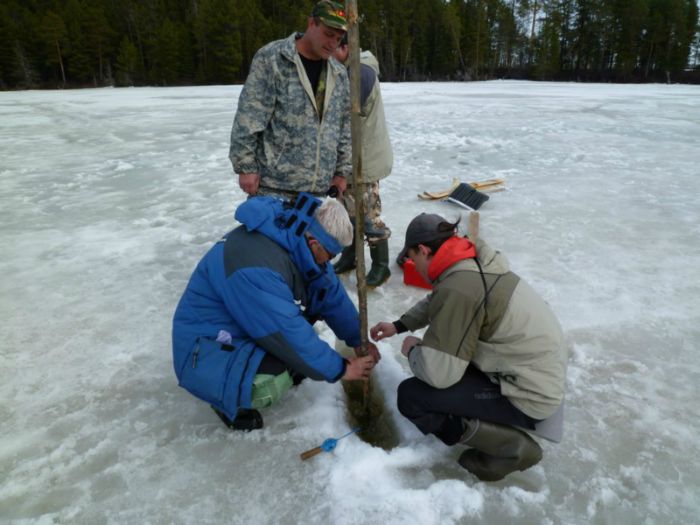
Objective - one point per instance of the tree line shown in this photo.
(71, 43)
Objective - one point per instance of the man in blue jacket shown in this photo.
(242, 332)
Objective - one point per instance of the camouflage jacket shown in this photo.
(277, 132)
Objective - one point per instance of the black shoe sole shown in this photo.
(246, 419)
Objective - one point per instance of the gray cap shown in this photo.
(422, 229)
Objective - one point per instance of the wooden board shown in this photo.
(485, 186)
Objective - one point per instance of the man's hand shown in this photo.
(359, 368)
(249, 182)
(340, 183)
(382, 330)
(409, 342)
(372, 350)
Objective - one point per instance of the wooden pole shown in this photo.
(358, 183)
(375, 429)
(357, 178)
(473, 229)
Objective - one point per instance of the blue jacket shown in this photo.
(260, 284)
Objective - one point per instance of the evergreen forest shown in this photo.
(80, 43)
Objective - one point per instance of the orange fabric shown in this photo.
(454, 249)
(412, 278)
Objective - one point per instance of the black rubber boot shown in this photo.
(497, 450)
(246, 419)
(346, 262)
(379, 272)
(297, 378)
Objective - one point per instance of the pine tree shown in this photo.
(78, 63)
(548, 49)
(506, 35)
(453, 24)
(218, 36)
(255, 32)
(165, 54)
(630, 17)
(54, 31)
(670, 30)
(99, 36)
(128, 63)
(9, 67)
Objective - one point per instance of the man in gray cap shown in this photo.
(377, 161)
(291, 132)
(492, 362)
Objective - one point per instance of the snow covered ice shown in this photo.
(109, 197)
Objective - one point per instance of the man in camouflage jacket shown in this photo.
(492, 359)
(291, 132)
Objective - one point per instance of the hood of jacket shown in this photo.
(266, 215)
(452, 251)
(286, 225)
(367, 58)
(459, 253)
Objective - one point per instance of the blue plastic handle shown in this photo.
(331, 443)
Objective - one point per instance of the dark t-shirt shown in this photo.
(313, 70)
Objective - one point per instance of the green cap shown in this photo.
(331, 13)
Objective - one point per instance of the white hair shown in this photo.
(332, 215)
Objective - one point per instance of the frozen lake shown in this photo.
(109, 197)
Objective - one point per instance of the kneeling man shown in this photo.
(492, 362)
(242, 332)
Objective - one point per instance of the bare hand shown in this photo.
(359, 368)
(340, 183)
(409, 342)
(249, 182)
(372, 350)
(382, 330)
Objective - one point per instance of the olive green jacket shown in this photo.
(516, 340)
(377, 155)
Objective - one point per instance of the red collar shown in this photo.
(453, 250)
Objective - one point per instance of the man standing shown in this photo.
(493, 356)
(291, 132)
(377, 161)
(242, 332)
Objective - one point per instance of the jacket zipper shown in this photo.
(195, 355)
(318, 155)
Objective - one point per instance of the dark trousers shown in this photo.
(439, 411)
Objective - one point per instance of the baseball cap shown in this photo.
(422, 229)
(332, 14)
